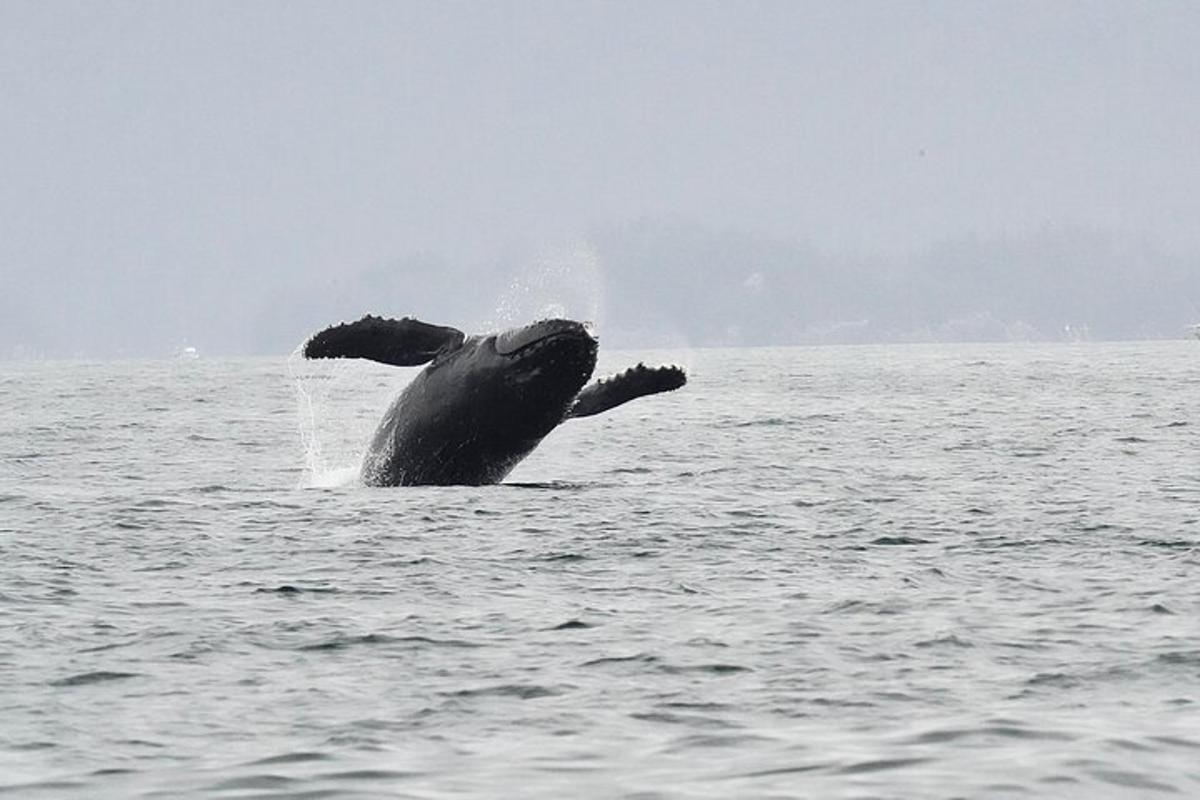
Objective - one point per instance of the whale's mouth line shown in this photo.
(526, 341)
(546, 342)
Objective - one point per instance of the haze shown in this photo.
(232, 176)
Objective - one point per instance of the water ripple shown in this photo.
(823, 571)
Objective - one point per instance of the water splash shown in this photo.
(560, 281)
(315, 382)
(333, 477)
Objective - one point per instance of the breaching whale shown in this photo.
(482, 403)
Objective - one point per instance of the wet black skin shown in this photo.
(481, 405)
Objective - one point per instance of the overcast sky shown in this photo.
(276, 138)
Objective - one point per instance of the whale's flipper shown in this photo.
(400, 342)
(632, 383)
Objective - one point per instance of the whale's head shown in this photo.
(520, 382)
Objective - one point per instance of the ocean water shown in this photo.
(910, 571)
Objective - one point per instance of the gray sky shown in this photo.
(293, 138)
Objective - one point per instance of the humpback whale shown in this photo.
(482, 403)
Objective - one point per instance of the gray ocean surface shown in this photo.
(898, 571)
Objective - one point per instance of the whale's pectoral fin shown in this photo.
(632, 383)
(401, 342)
